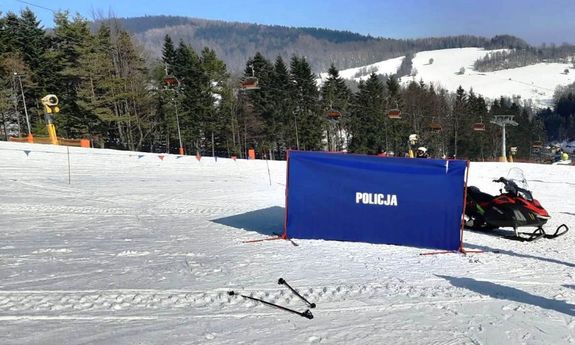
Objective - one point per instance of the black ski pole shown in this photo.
(281, 281)
(306, 313)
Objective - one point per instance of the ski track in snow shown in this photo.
(138, 250)
(133, 300)
(52, 300)
(90, 210)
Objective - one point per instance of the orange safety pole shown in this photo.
(264, 239)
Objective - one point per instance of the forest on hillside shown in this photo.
(234, 43)
(112, 92)
(515, 58)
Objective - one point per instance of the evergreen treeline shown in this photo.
(112, 94)
(99, 77)
(560, 121)
(525, 56)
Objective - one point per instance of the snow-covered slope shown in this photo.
(143, 250)
(536, 82)
(361, 73)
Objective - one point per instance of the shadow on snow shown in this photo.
(526, 256)
(266, 221)
(511, 294)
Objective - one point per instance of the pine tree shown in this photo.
(307, 118)
(458, 117)
(23, 44)
(478, 115)
(282, 107)
(168, 54)
(257, 106)
(366, 125)
(96, 87)
(32, 45)
(216, 119)
(190, 98)
(71, 41)
(335, 98)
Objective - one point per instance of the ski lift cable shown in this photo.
(42, 7)
(528, 84)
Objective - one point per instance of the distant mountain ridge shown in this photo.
(235, 42)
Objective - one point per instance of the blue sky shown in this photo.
(549, 21)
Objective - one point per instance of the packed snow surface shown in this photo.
(134, 248)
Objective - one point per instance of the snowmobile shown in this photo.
(515, 207)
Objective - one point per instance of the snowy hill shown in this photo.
(362, 73)
(536, 82)
(116, 247)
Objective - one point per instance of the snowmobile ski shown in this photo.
(529, 236)
(539, 233)
(558, 232)
(282, 281)
(307, 314)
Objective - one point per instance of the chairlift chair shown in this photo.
(479, 127)
(250, 83)
(435, 126)
(333, 115)
(170, 81)
(394, 113)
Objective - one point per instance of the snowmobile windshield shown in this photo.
(518, 177)
(512, 188)
(519, 186)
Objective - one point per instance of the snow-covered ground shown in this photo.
(362, 73)
(140, 250)
(535, 82)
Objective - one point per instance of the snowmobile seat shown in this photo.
(479, 196)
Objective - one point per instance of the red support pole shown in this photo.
(464, 204)
(284, 235)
